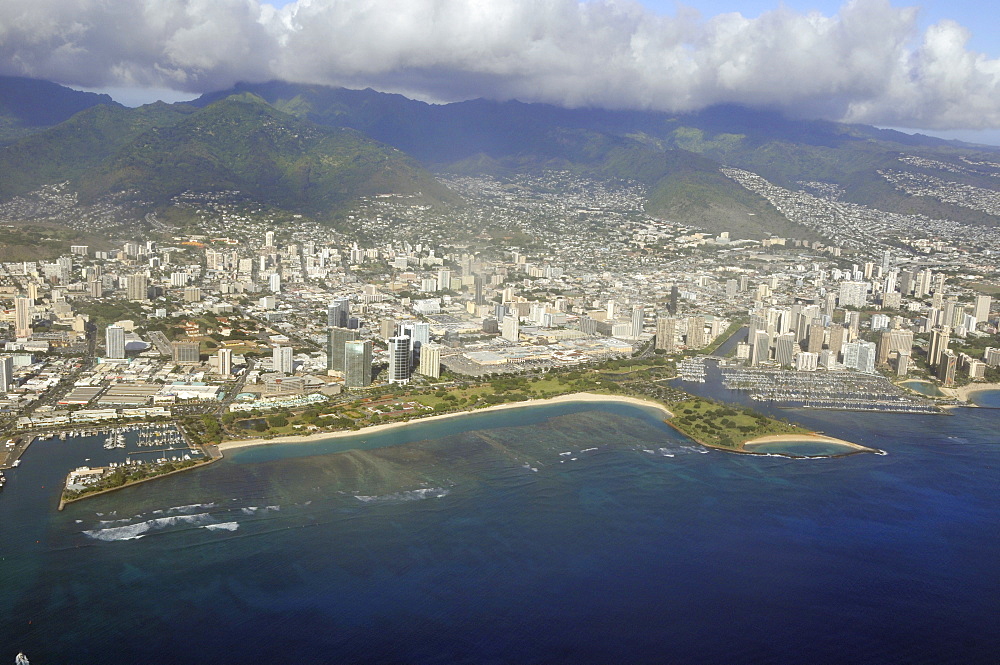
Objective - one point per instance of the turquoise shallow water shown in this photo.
(923, 388)
(988, 398)
(569, 533)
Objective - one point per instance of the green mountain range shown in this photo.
(317, 149)
(29, 105)
(676, 156)
(239, 143)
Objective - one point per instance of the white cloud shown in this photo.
(869, 63)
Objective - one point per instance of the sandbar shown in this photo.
(326, 436)
(817, 438)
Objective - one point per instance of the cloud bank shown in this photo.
(869, 63)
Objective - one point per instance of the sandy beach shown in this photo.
(326, 436)
(965, 392)
(819, 438)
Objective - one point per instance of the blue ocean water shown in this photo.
(577, 533)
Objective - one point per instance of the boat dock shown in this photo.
(825, 390)
(10, 453)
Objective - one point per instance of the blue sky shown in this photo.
(969, 13)
(933, 67)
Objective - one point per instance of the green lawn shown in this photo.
(724, 425)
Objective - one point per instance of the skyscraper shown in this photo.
(886, 260)
(225, 362)
(852, 294)
(867, 353)
(399, 359)
(761, 350)
(338, 313)
(22, 316)
(477, 286)
(387, 328)
(282, 360)
(836, 343)
(666, 333)
(940, 337)
(947, 367)
(784, 349)
(860, 356)
(817, 334)
(419, 334)
(511, 328)
(114, 342)
(939, 283)
(696, 332)
(806, 362)
(922, 285)
(357, 364)
(336, 338)
(982, 311)
(185, 352)
(430, 360)
(638, 316)
(137, 288)
(6, 373)
(889, 285)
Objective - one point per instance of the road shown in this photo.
(161, 342)
(237, 388)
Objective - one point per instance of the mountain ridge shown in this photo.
(317, 149)
(516, 136)
(240, 142)
(28, 105)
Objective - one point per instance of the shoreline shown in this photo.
(963, 393)
(234, 444)
(63, 501)
(808, 438)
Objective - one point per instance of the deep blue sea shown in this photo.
(572, 533)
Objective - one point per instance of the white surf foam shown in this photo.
(137, 530)
(104, 523)
(222, 526)
(406, 495)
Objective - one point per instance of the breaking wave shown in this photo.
(183, 510)
(252, 510)
(222, 526)
(407, 495)
(139, 529)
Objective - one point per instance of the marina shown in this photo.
(849, 391)
(692, 369)
(139, 448)
(150, 451)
